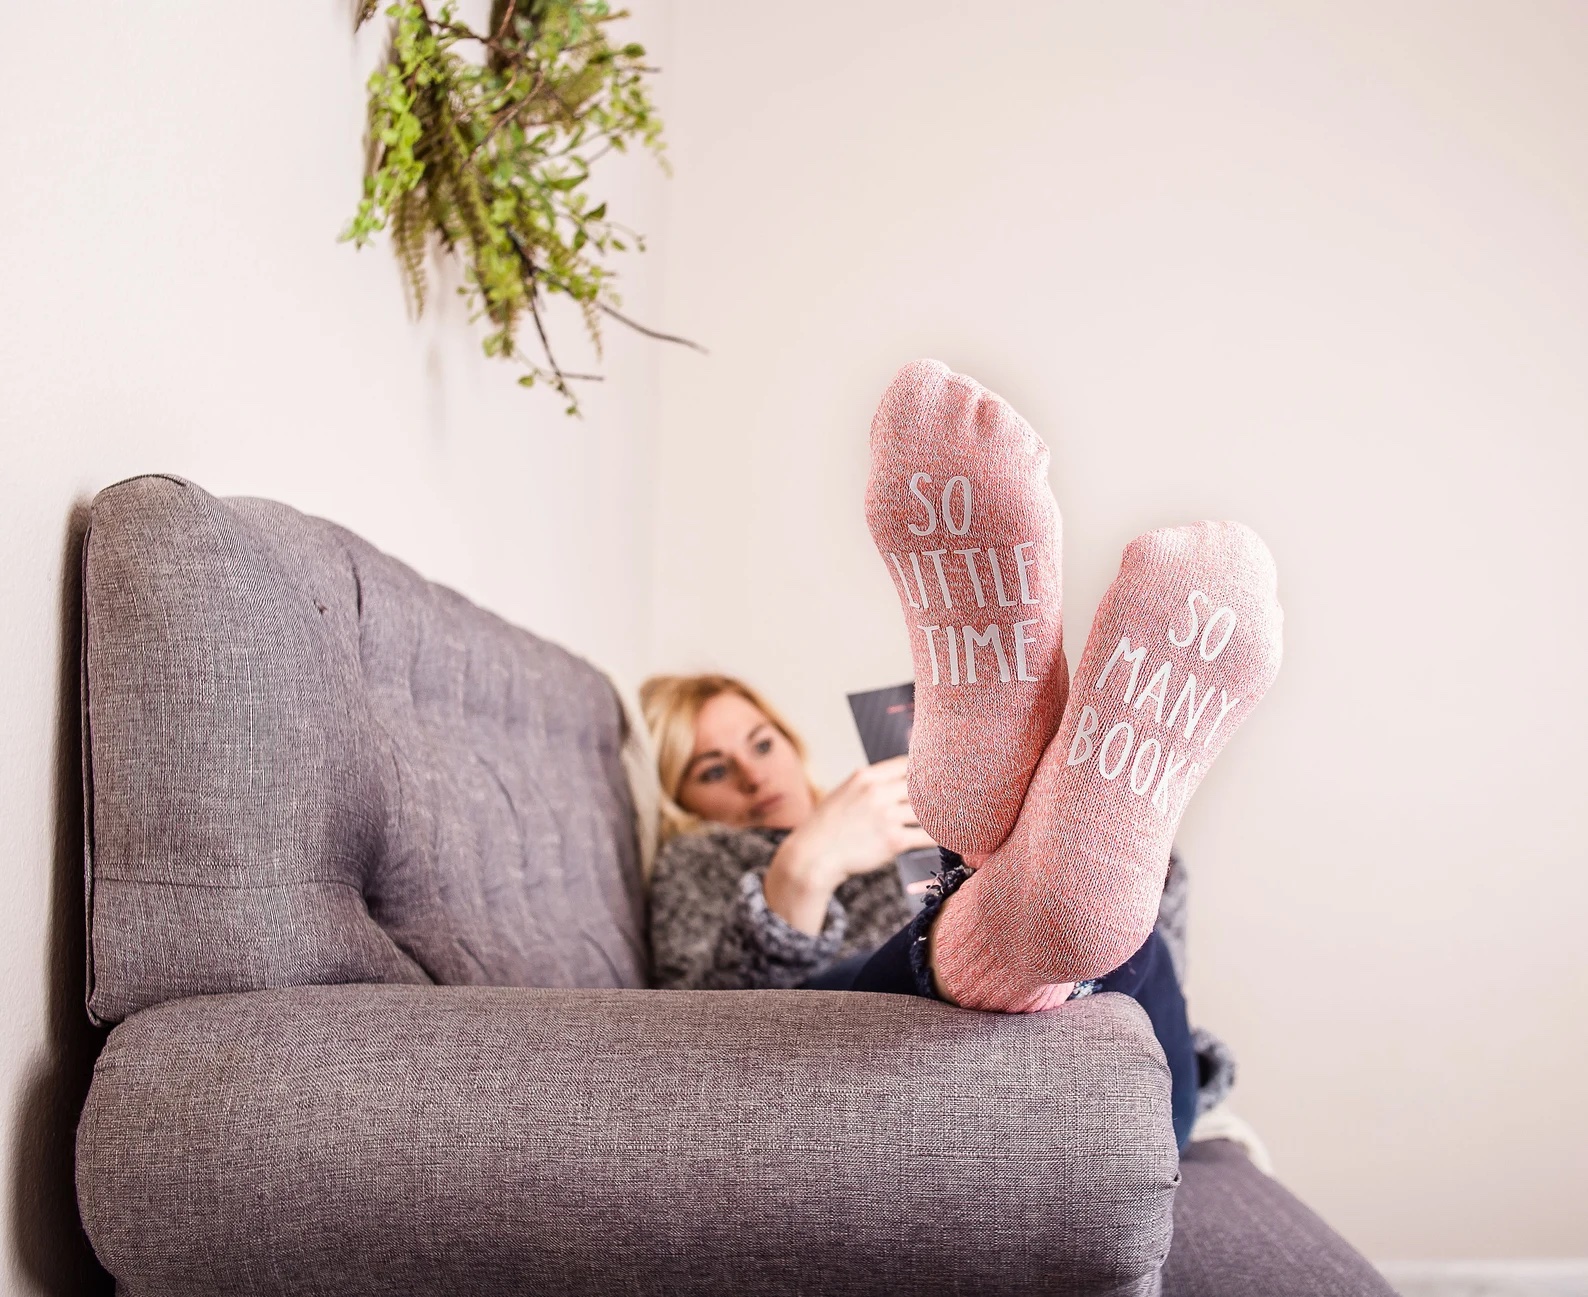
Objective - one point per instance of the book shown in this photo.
(884, 717)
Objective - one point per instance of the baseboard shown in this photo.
(1563, 1278)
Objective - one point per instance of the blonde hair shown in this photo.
(672, 705)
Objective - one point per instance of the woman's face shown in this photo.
(743, 772)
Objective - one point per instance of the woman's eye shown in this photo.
(763, 747)
(711, 774)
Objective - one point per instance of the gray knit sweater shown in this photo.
(711, 928)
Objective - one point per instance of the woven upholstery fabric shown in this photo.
(306, 764)
(385, 1139)
(1240, 1233)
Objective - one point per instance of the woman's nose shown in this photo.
(747, 778)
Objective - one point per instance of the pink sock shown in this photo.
(959, 505)
(1184, 644)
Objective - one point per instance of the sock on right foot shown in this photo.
(959, 506)
(1185, 643)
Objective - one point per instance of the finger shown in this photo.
(891, 767)
(891, 790)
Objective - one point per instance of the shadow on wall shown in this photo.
(54, 1251)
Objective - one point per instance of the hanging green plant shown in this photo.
(484, 140)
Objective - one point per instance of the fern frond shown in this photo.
(488, 159)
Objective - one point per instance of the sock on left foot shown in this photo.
(1184, 644)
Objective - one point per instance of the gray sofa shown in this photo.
(364, 897)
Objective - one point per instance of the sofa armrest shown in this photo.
(383, 1139)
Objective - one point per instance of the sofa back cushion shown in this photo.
(305, 764)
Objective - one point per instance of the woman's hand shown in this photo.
(861, 825)
(858, 827)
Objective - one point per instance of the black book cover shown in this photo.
(884, 717)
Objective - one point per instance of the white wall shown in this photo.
(1318, 266)
(174, 299)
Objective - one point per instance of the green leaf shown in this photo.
(486, 162)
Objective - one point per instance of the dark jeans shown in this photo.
(1147, 977)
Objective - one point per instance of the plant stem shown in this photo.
(649, 333)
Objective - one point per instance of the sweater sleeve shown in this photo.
(711, 928)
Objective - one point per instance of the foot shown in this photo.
(1185, 643)
(959, 506)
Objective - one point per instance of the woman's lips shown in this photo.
(759, 809)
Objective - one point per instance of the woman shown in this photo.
(1055, 813)
(762, 882)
